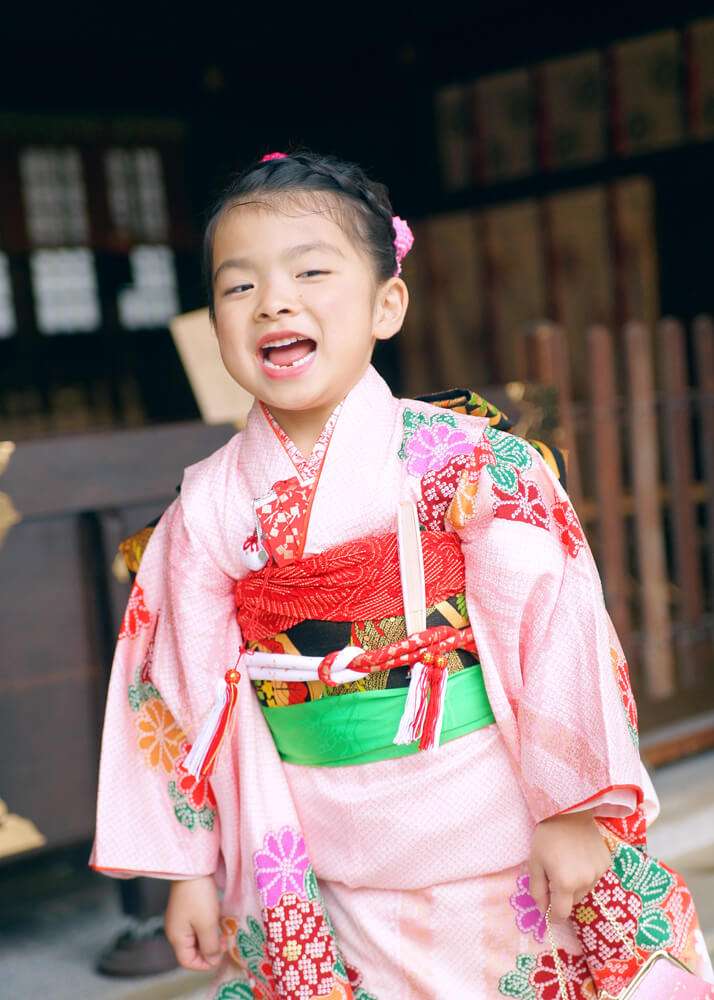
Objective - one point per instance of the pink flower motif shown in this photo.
(430, 448)
(273, 156)
(529, 919)
(280, 866)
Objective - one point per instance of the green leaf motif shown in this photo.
(509, 448)
(251, 944)
(310, 883)
(364, 995)
(653, 930)
(339, 969)
(237, 989)
(206, 818)
(135, 698)
(139, 692)
(504, 476)
(634, 735)
(517, 983)
(642, 875)
(184, 813)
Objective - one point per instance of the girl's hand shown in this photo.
(568, 856)
(192, 923)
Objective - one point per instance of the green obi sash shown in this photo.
(359, 728)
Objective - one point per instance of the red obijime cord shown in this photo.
(426, 651)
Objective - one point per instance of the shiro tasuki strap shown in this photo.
(423, 714)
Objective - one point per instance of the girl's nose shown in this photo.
(275, 302)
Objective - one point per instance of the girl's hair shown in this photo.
(363, 205)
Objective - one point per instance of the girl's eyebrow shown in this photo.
(289, 254)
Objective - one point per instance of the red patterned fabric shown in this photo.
(283, 520)
(358, 581)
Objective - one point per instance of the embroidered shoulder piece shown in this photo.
(470, 402)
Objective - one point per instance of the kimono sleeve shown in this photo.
(553, 665)
(178, 635)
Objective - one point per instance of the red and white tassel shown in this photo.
(215, 727)
(423, 713)
(412, 720)
(434, 720)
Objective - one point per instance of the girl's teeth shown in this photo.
(295, 364)
(281, 343)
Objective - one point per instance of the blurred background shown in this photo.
(556, 166)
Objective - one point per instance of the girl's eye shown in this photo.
(237, 288)
(311, 274)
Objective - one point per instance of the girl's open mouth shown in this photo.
(286, 355)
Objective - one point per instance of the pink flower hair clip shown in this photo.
(403, 240)
(273, 156)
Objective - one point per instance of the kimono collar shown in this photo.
(368, 402)
(284, 484)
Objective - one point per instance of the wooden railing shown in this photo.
(641, 475)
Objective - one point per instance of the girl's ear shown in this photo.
(390, 308)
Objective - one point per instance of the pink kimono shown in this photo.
(400, 878)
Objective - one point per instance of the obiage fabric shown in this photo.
(399, 879)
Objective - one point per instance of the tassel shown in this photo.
(423, 714)
(431, 731)
(415, 707)
(216, 726)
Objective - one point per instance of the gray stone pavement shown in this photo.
(48, 949)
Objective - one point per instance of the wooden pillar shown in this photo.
(606, 449)
(692, 656)
(704, 360)
(548, 362)
(658, 662)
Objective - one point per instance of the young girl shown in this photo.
(398, 605)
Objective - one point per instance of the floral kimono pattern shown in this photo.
(396, 879)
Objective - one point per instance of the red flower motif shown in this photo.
(679, 907)
(300, 947)
(437, 491)
(354, 976)
(137, 616)
(544, 977)
(484, 454)
(198, 793)
(571, 534)
(525, 505)
(632, 829)
(600, 942)
(616, 975)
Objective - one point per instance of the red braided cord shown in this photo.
(436, 642)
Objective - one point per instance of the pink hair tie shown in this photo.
(403, 240)
(273, 156)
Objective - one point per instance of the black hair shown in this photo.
(369, 217)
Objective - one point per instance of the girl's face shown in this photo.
(297, 307)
